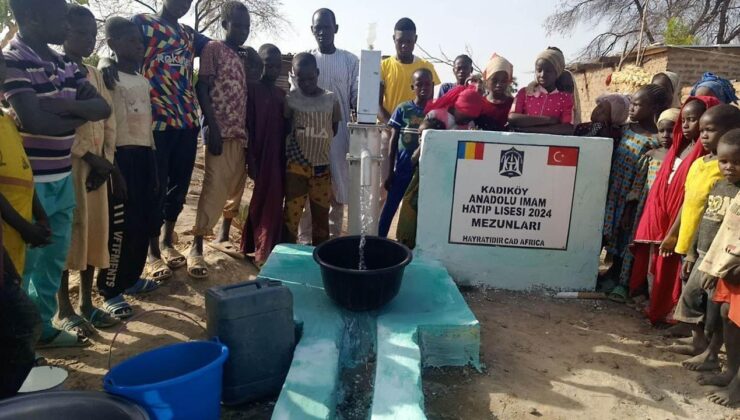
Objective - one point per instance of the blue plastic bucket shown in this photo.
(180, 381)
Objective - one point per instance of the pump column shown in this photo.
(364, 149)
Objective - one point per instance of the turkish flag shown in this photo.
(563, 156)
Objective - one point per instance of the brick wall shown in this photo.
(591, 81)
(692, 63)
(689, 63)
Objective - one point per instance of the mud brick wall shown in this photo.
(689, 63)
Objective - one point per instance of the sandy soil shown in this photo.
(548, 358)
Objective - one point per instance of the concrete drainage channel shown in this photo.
(367, 365)
(356, 368)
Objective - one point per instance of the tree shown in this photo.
(628, 23)
(266, 14)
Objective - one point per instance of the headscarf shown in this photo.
(555, 58)
(497, 64)
(665, 200)
(465, 99)
(674, 78)
(670, 114)
(722, 88)
(620, 106)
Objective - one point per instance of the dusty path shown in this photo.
(545, 358)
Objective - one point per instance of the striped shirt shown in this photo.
(312, 120)
(50, 156)
(339, 73)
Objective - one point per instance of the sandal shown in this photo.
(76, 324)
(159, 271)
(63, 339)
(227, 248)
(197, 268)
(173, 259)
(118, 308)
(101, 319)
(618, 294)
(142, 286)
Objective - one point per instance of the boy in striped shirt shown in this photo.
(313, 114)
(50, 98)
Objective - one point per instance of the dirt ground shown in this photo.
(547, 358)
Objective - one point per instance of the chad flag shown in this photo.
(563, 156)
(469, 150)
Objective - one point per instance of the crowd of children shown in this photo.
(96, 165)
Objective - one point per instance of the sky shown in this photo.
(511, 28)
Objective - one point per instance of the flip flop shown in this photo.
(227, 248)
(102, 320)
(142, 286)
(63, 339)
(618, 294)
(75, 324)
(173, 259)
(197, 263)
(117, 307)
(159, 271)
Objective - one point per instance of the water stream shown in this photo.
(366, 220)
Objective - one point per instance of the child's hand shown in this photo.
(95, 181)
(86, 91)
(687, 268)
(110, 72)
(708, 282)
(98, 165)
(36, 235)
(118, 185)
(388, 182)
(215, 141)
(668, 246)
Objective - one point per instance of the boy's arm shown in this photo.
(383, 114)
(393, 151)
(203, 89)
(336, 117)
(35, 120)
(355, 76)
(668, 246)
(206, 81)
(33, 234)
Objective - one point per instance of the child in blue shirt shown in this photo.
(404, 124)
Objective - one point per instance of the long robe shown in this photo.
(266, 161)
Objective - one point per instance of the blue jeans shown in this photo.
(401, 181)
(44, 266)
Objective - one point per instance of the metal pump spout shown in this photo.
(366, 162)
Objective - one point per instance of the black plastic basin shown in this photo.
(70, 405)
(362, 290)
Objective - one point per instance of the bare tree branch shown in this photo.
(707, 20)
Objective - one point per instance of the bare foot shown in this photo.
(728, 396)
(685, 349)
(704, 362)
(678, 330)
(722, 380)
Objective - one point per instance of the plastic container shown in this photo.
(70, 405)
(362, 290)
(179, 381)
(44, 378)
(255, 320)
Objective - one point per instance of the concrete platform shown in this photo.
(428, 324)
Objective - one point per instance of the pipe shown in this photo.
(366, 168)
